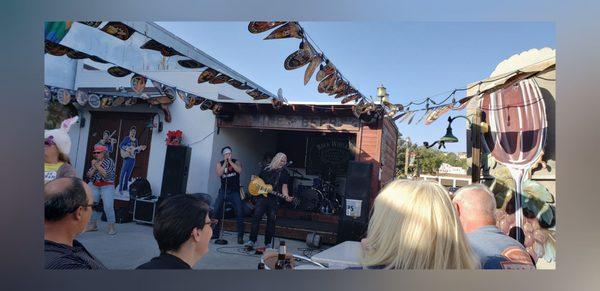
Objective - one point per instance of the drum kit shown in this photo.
(321, 196)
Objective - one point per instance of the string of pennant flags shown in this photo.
(332, 82)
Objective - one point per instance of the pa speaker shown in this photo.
(175, 174)
(354, 216)
(358, 190)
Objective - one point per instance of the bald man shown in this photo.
(475, 205)
(67, 210)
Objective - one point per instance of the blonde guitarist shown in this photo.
(129, 148)
(276, 175)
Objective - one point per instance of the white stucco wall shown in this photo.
(196, 125)
(79, 137)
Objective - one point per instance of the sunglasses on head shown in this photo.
(49, 141)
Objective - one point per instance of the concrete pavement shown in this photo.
(134, 245)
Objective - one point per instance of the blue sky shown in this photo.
(413, 60)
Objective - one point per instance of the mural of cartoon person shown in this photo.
(129, 149)
(107, 140)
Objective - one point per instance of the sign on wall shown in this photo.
(293, 122)
(327, 154)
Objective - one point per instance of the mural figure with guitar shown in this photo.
(129, 148)
(267, 199)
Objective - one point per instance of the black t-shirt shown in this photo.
(276, 178)
(164, 261)
(232, 177)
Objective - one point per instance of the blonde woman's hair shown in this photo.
(274, 164)
(414, 226)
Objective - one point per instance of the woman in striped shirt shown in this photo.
(102, 180)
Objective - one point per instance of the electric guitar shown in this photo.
(258, 187)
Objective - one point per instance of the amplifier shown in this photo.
(144, 209)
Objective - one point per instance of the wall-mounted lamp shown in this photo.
(159, 126)
(450, 138)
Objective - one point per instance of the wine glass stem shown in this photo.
(517, 175)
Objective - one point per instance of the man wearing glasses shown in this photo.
(67, 210)
(102, 179)
(182, 229)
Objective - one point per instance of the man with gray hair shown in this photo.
(475, 205)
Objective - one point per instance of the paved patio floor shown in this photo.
(134, 245)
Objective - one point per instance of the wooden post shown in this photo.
(476, 146)
(407, 157)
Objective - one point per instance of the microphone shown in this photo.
(289, 163)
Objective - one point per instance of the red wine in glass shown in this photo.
(516, 116)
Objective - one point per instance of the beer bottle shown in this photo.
(281, 262)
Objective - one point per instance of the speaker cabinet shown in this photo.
(144, 210)
(354, 216)
(175, 174)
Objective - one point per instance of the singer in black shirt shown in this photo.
(276, 175)
(229, 169)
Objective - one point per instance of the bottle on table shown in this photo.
(282, 262)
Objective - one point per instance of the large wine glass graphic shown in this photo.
(517, 133)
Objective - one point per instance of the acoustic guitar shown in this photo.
(258, 187)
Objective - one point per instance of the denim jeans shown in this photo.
(106, 192)
(269, 206)
(126, 170)
(233, 196)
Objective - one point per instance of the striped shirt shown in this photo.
(64, 257)
(109, 166)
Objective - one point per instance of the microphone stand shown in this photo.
(220, 240)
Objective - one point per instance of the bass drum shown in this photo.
(309, 199)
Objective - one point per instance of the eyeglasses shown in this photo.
(84, 206)
(97, 153)
(49, 141)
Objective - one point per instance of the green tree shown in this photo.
(428, 159)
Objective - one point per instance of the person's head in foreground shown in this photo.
(182, 230)
(67, 210)
(475, 205)
(414, 226)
